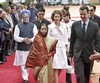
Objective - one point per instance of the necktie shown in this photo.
(83, 29)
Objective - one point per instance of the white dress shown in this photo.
(59, 33)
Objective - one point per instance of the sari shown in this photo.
(41, 48)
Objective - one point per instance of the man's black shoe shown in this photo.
(25, 81)
(5, 59)
(1, 62)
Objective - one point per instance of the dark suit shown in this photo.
(81, 48)
(2, 39)
(97, 20)
(14, 18)
(7, 25)
(15, 22)
(38, 23)
(8, 37)
(33, 12)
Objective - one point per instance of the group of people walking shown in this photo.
(9, 18)
(48, 47)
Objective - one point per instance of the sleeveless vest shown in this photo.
(26, 30)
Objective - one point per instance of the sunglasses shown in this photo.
(91, 10)
(41, 14)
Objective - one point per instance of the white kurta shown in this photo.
(59, 33)
(21, 56)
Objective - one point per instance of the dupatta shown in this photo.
(38, 51)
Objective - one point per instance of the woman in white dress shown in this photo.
(58, 30)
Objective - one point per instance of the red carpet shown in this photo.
(11, 74)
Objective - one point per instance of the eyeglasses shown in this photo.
(91, 10)
(41, 14)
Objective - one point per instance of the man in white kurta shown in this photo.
(24, 35)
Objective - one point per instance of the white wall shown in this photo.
(2, 1)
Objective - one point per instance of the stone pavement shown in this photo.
(74, 11)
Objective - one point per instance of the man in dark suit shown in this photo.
(85, 38)
(95, 18)
(3, 30)
(14, 15)
(16, 19)
(8, 35)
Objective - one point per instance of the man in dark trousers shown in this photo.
(3, 30)
(85, 38)
(16, 19)
(95, 18)
(8, 35)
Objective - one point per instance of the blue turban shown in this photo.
(26, 11)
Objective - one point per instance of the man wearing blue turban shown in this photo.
(24, 34)
(26, 11)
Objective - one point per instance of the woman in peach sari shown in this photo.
(41, 55)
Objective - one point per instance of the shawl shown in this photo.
(38, 51)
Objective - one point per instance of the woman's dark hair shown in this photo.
(10, 3)
(43, 24)
(64, 12)
(56, 12)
